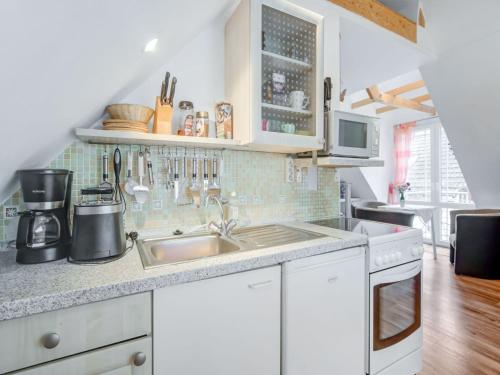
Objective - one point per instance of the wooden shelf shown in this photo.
(283, 61)
(100, 136)
(339, 162)
(275, 107)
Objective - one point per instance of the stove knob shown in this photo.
(399, 255)
(386, 259)
(415, 251)
(421, 251)
(393, 257)
(379, 261)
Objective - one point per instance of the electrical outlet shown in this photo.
(10, 212)
(298, 174)
(290, 170)
(312, 178)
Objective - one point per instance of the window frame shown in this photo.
(435, 125)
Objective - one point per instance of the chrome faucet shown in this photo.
(225, 227)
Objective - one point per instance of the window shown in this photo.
(435, 176)
(419, 171)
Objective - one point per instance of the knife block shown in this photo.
(162, 122)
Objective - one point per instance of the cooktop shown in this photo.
(366, 227)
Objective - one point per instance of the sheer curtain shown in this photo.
(402, 152)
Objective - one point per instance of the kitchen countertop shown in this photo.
(32, 289)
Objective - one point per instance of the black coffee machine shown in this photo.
(43, 232)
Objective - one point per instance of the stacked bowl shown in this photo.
(128, 117)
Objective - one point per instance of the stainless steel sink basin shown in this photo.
(157, 252)
(162, 251)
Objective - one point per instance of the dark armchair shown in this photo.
(384, 216)
(475, 242)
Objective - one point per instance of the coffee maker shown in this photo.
(43, 232)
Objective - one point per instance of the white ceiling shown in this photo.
(370, 55)
(407, 8)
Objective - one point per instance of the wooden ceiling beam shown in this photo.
(418, 99)
(396, 91)
(362, 103)
(407, 88)
(397, 101)
(382, 15)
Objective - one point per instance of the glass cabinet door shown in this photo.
(396, 311)
(288, 73)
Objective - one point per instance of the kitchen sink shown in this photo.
(160, 251)
(157, 252)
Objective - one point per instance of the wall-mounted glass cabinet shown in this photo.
(274, 75)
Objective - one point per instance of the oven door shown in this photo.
(351, 135)
(395, 315)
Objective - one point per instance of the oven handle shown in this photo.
(399, 276)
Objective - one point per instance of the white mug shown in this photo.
(298, 100)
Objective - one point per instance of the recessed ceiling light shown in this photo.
(151, 45)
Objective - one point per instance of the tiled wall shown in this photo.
(253, 181)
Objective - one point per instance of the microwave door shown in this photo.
(352, 138)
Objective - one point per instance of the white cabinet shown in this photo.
(55, 334)
(129, 358)
(274, 75)
(226, 325)
(324, 314)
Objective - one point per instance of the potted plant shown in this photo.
(402, 189)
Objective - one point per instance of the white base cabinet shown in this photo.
(324, 314)
(223, 326)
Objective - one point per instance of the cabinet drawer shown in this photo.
(114, 360)
(47, 336)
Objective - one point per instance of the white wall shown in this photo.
(464, 83)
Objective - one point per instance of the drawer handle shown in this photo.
(332, 279)
(139, 358)
(262, 284)
(50, 340)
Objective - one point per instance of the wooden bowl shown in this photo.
(130, 112)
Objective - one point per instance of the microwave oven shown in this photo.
(351, 135)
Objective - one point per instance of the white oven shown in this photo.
(352, 135)
(395, 320)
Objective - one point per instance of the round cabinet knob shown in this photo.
(379, 261)
(50, 340)
(139, 358)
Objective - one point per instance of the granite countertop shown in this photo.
(31, 289)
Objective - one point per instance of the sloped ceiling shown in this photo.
(62, 62)
(463, 83)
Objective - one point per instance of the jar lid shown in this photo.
(202, 114)
(185, 104)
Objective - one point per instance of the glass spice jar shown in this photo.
(201, 124)
(186, 123)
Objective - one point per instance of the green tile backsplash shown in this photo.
(253, 181)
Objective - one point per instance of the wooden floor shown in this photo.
(461, 321)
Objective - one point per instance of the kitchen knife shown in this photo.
(172, 92)
(163, 92)
(167, 78)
